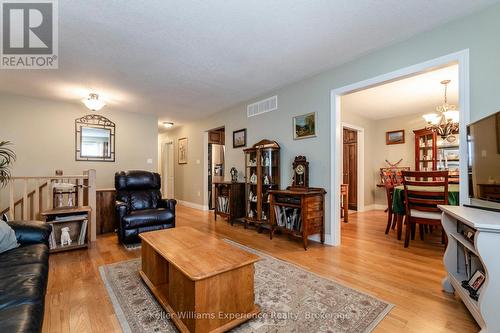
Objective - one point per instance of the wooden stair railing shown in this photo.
(32, 203)
(31, 196)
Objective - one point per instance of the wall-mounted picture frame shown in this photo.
(304, 126)
(395, 137)
(240, 138)
(182, 151)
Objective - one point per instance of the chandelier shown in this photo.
(445, 121)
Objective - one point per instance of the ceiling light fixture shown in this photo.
(168, 124)
(445, 121)
(93, 102)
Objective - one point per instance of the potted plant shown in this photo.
(7, 156)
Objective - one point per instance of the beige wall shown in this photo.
(43, 134)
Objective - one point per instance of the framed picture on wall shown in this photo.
(240, 138)
(395, 137)
(183, 151)
(304, 126)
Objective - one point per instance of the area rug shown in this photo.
(291, 299)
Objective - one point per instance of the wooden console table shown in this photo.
(204, 283)
(300, 213)
(482, 250)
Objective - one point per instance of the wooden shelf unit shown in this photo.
(234, 193)
(483, 251)
(309, 206)
(262, 161)
(81, 214)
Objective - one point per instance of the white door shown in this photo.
(168, 170)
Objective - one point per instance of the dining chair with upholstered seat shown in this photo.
(424, 191)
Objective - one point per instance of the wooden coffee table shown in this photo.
(204, 283)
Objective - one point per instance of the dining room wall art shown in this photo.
(395, 137)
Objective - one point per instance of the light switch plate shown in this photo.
(149, 161)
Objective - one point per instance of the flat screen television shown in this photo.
(483, 161)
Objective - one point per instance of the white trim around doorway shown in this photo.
(361, 164)
(460, 57)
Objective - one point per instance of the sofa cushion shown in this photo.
(22, 318)
(8, 240)
(30, 254)
(147, 217)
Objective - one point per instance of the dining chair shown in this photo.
(388, 181)
(424, 191)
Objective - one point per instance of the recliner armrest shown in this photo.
(31, 232)
(121, 209)
(168, 204)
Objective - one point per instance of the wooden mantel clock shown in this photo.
(300, 173)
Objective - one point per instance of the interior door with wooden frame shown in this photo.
(350, 165)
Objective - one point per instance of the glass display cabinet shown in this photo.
(425, 150)
(262, 173)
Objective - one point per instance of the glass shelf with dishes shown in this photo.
(262, 173)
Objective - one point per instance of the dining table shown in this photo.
(398, 201)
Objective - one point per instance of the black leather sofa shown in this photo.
(23, 278)
(139, 206)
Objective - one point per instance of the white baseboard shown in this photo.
(192, 205)
(375, 207)
(316, 238)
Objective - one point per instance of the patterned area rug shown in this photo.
(291, 299)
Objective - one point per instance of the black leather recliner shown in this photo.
(139, 206)
(23, 278)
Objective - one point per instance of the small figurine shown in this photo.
(266, 180)
(60, 200)
(253, 178)
(250, 196)
(65, 238)
(250, 214)
(234, 175)
(70, 200)
(264, 217)
(254, 199)
(267, 161)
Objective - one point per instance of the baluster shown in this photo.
(49, 194)
(11, 200)
(36, 200)
(25, 200)
(80, 192)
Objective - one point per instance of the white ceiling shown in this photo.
(416, 94)
(182, 59)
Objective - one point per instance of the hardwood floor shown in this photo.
(368, 260)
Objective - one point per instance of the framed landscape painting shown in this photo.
(182, 152)
(240, 138)
(395, 137)
(304, 126)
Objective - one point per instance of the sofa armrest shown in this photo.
(168, 204)
(31, 232)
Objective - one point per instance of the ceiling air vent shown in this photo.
(266, 105)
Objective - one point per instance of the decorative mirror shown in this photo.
(94, 138)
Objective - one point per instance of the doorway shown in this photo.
(350, 166)
(167, 170)
(461, 58)
(216, 162)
